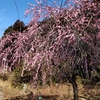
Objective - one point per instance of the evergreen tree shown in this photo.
(9, 30)
(19, 26)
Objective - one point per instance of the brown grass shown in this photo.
(54, 92)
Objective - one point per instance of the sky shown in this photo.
(9, 14)
(12, 10)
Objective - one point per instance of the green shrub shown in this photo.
(98, 84)
(15, 76)
(16, 79)
(85, 82)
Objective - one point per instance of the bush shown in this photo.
(15, 76)
(16, 79)
(95, 78)
(85, 82)
(4, 77)
(98, 84)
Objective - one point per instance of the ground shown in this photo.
(54, 92)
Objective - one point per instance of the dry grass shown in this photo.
(60, 91)
(54, 92)
(8, 90)
(57, 91)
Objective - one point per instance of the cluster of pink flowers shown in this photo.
(69, 39)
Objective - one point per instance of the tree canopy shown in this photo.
(8, 30)
(18, 26)
(66, 43)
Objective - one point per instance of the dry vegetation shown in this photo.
(54, 92)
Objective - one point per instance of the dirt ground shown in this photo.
(55, 92)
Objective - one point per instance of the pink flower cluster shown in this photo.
(69, 38)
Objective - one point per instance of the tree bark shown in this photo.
(75, 88)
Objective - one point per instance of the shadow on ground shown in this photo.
(37, 97)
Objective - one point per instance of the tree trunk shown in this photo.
(75, 88)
